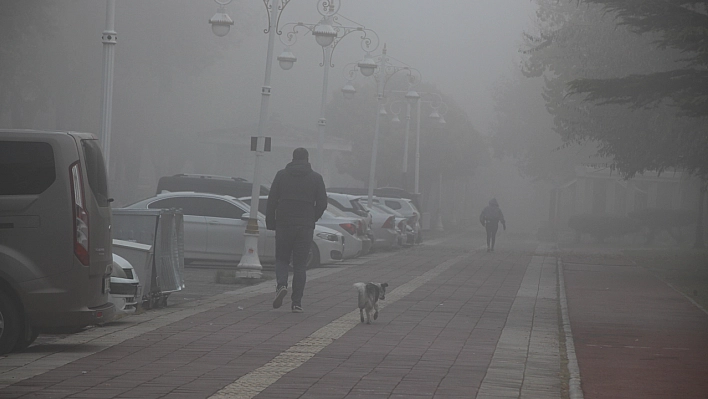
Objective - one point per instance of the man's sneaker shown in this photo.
(297, 309)
(280, 294)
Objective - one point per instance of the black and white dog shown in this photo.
(369, 295)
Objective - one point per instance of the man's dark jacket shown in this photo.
(297, 197)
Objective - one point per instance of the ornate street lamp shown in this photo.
(250, 264)
(328, 32)
(383, 71)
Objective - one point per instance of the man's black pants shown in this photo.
(292, 243)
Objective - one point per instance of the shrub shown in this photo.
(654, 221)
(602, 226)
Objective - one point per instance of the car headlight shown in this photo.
(328, 236)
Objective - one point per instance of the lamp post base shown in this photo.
(250, 264)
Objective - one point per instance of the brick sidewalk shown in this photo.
(635, 337)
(455, 324)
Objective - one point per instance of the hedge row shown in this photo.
(648, 221)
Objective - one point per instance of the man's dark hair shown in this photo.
(300, 154)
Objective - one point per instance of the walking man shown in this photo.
(297, 199)
(490, 218)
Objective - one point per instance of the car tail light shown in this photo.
(349, 228)
(81, 219)
(390, 223)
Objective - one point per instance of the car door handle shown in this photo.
(213, 222)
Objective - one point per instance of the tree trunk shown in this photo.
(699, 243)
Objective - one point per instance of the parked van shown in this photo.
(55, 239)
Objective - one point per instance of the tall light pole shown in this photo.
(328, 32)
(412, 97)
(109, 42)
(382, 70)
(435, 115)
(250, 264)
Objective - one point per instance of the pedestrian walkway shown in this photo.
(456, 323)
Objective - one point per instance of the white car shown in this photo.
(350, 247)
(354, 239)
(351, 207)
(214, 225)
(385, 226)
(125, 287)
(405, 207)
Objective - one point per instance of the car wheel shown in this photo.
(9, 323)
(313, 259)
(26, 338)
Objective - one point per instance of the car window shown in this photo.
(217, 208)
(95, 171)
(389, 210)
(395, 205)
(26, 167)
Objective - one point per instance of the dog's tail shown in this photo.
(361, 287)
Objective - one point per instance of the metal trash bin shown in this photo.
(162, 231)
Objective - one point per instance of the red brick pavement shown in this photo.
(635, 337)
(435, 342)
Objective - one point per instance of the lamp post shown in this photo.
(328, 32)
(383, 71)
(435, 115)
(109, 42)
(412, 97)
(250, 264)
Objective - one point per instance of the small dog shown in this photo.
(369, 295)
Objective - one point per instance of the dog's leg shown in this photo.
(368, 316)
(376, 310)
(361, 314)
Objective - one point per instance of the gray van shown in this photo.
(55, 239)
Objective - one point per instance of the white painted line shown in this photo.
(261, 378)
(575, 391)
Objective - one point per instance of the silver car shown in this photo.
(214, 225)
(385, 226)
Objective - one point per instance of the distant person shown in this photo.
(490, 218)
(297, 199)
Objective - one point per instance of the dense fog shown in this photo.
(187, 101)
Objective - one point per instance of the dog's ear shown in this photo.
(384, 285)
